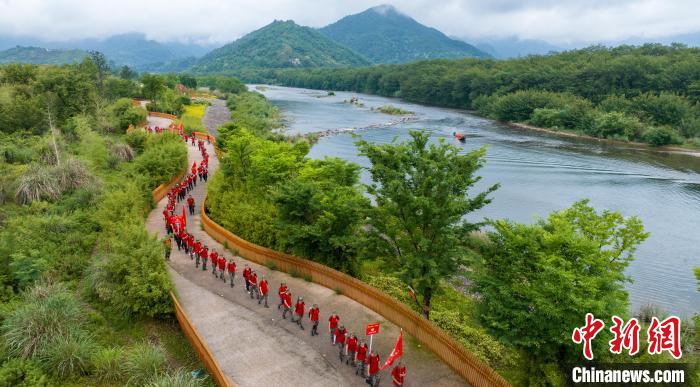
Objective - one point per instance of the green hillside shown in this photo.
(384, 35)
(37, 55)
(281, 44)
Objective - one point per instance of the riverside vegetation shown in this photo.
(648, 93)
(519, 307)
(84, 291)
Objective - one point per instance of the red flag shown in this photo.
(194, 167)
(396, 353)
(181, 126)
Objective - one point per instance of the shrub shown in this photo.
(143, 363)
(179, 378)
(68, 355)
(31, 328)
(124, 113)
(660, 136)
(546, 118)
(137, 140)
(22, 373)
(617, 125)
(129, 272)
(17, 154)
(37, 183)
(123, 151)
(72, 174)
(109, 364)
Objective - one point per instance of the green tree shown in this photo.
(188, 81)
(153, 86)
(537, 282)
(422, 198)
(320, 213)
(125, 72)
(102, 66)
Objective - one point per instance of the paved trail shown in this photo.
(254, 346)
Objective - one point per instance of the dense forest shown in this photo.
(84, 291)
(648, 93)
(518, 320)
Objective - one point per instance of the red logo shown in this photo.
(665, 336)
(372, 329)
(626, 336)
(587, 333)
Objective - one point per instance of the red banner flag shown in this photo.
(184, 218)
(396, 353)
(194, 168)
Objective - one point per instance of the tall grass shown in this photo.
(37, 183)
(31, 328)
(179, 378)
(143, 363)
(68, 355)
(109, 364)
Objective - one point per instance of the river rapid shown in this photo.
(538, 173)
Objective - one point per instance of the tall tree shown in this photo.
(102, 66)
(153, 86)
(537, 282)
(125, 72)
(422, 196)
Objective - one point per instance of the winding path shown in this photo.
(254, 346)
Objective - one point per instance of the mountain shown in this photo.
(37, 55)
(280, 44)
(385, 35)
(514, 47)
(131, 49)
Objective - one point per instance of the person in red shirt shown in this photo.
(214, 258)
(283, 289)
(264, 290)
(246, 275)
(340, 341)
(360, 358)
(205, 257)
(313, 316)
(197, 252)
(253, 279)
(287, 297)
(190, 245)
(299, 309)
(333, 326)
(222, 268)
(398, 375)
(373, 368)
(190, 204)
(351, 348)
(231, 268)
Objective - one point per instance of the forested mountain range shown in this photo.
(280, 44)
(385, 35)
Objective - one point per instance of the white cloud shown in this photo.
(222, 21)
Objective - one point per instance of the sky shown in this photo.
(221, 21)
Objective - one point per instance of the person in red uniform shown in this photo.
(205, 257)
(299, 309)
(373, 368)
(197, 252)
(214, 258)
(264, 290)
(190, 204)
(246, 275)
(360, 359)
(340, 341)
(351, 348)
(313, 316)
(222, 268)
(333, 326)
(398, 375)
(283, 289)
(190, 245)
(253, 279)
(287, 301)
(231, 268)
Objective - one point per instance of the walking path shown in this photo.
(216, 115)
(254, 346)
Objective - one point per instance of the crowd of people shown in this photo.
(352, 350)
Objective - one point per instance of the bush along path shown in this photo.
(254, 345)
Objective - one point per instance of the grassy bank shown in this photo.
(84, 296)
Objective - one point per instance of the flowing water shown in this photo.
(539, 173)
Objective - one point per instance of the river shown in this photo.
(539, 173)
